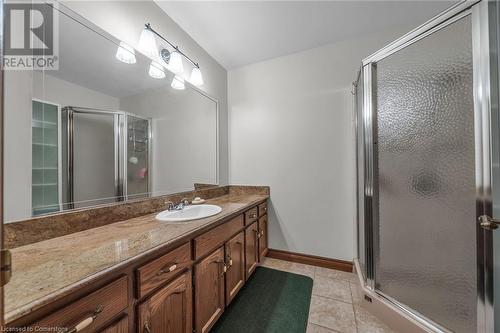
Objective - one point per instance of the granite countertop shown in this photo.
(48, 270)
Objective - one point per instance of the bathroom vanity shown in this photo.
(141, 275)
(92, 154)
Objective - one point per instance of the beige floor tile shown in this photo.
(332, 314)
(356, 293)
(274, 263)
(368, 323)
(335, 274)
(289, 267)
(332, 288)
(302, 269)
(312, 328)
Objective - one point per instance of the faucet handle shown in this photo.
(185, 201)
(170, 205)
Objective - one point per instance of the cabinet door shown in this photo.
(251, 248)
(262, 237)
(118, 327)
(169, 310)
(235, 260)
(209, 290)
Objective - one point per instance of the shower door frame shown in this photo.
(484, 111)
(120, 145)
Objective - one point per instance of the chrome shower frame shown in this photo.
(487, 146)
(120, 119)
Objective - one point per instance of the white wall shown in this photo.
(125, 20)
(20, 88)
(17, 146)
(291, 127)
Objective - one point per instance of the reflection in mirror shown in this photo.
(101, 129)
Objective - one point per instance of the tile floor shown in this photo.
(333, 307)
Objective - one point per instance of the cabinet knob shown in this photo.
(146, 327)
(252, 216)
(86, 322)
(167, 269)
(223, 264)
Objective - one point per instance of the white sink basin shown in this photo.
(189, 213)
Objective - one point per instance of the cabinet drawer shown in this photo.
(90, 312)
(263, 208)
(217, 236)
(251, 215)
(118, 327)
(161, 270)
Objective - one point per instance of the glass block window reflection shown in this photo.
(45, 158)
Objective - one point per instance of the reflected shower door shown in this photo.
(138, 151)
(425, 233)
(90, 158)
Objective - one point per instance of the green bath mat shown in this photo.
(272, 301)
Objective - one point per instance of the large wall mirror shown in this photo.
(99, 131)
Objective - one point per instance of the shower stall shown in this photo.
(106, 156)
(428, 171)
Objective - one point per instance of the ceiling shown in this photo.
(237, 33)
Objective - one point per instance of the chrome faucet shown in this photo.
(170, 205)
(180, 206)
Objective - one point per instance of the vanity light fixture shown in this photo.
(173, 60)
(175, 63)
(147, 43)
(126, 53)
(196, 77)
(156, 70)
(178, 83)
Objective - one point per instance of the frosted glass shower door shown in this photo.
(425, 229)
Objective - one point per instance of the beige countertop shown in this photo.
(48, 270)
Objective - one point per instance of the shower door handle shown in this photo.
(488, 223)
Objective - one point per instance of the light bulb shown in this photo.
(156, 70)
(196, 77)
(147, 43)
(125, 53)
(177, 83)
(175, 63)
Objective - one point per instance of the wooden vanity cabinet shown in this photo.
(235, 261)
(209, 290)
(251, 248)
(174, 290)
(263, 240)
(169, 310)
